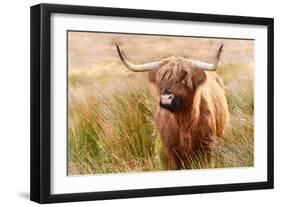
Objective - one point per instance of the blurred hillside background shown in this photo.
(110, 109)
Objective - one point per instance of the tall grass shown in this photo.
(111, 129)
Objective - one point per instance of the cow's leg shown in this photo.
(172, 160)
(206, 146)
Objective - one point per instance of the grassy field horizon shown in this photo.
(110, 109)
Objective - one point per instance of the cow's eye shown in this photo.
(182, 75)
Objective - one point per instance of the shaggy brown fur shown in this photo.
(204, 113)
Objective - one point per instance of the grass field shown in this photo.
(110, 110)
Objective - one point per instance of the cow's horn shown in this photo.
(140, 67)
(208, 66)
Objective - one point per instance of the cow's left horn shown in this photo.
(208, 66)
(140, 67)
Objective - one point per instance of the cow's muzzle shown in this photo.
(170, 102)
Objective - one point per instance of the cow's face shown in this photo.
(177, 82)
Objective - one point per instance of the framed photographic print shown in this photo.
(132, 103)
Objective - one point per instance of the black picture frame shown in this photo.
(41, 99)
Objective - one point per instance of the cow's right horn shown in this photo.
(208, 66)
(139, 67)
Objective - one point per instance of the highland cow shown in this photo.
(192, 109)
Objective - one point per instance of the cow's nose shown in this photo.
(167, 99)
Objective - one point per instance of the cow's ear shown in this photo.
(198, 78)
(152, 75)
